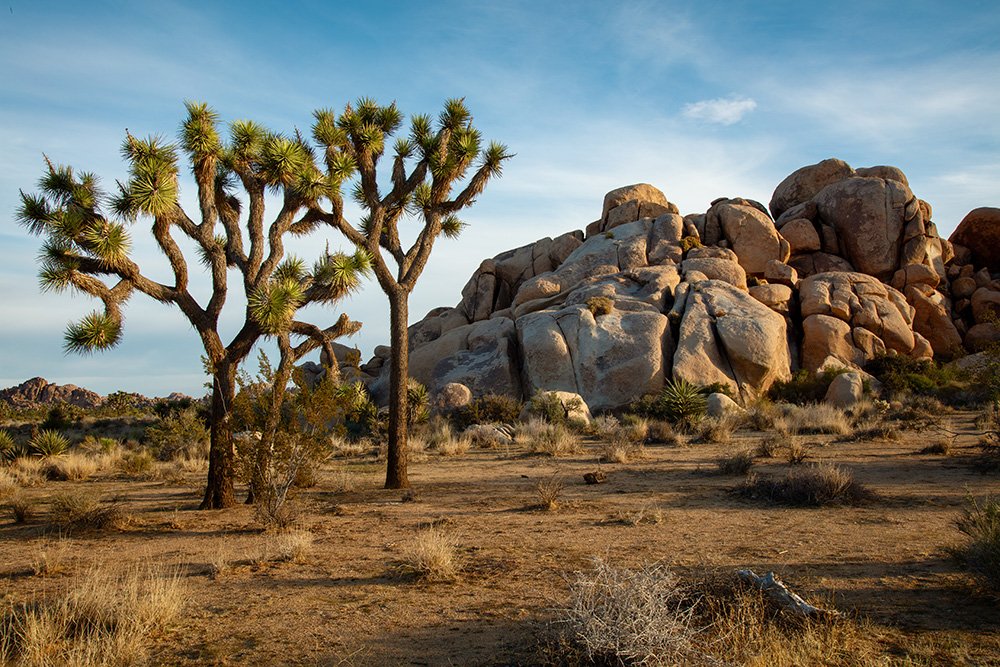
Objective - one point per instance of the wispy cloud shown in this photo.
(720, 111)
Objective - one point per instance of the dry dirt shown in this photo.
(349, 602)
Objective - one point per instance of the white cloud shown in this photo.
(721, 111)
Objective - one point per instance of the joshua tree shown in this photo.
(427, 165)
(87, 249)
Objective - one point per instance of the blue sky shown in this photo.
(701, 99)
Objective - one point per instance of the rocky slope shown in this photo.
(39, 391)
(843, 265)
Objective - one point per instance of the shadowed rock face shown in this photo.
(850, 268)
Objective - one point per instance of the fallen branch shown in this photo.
(780, 594)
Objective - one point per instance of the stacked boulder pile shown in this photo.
(844, 265)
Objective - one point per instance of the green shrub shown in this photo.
(678, 401)
(61, 416)
(804, 387)
(600, 305)
(488, 409)
(689, 242)
(980, 522)
(417, 401)
(7, 446)
(548, 406)
(48, 443)
(178, 435)
(904, 376)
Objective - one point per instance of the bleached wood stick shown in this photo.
(782, 595)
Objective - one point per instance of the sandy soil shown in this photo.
(349, 603)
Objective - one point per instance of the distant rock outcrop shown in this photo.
(851, 266)
(39, 391)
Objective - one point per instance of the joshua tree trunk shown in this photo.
(395, 472)
(221, 462)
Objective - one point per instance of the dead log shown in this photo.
(782, 596)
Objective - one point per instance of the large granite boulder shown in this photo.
(803, 184)
(729, 337)
(608, 359)
(749, 232)
(979, 231)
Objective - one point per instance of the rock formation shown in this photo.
(39, 391)
(849, 267)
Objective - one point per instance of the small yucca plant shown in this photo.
(48, 443)
(681, 401)
(8, 448)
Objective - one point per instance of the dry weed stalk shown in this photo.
(549, 490)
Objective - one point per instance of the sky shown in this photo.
(701, 99)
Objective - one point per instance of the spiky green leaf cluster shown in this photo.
(199, 134)
(273, 305)
(48, 444)
(335, 275)
(96, 331)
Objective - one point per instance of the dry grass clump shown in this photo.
(761, 415)
(739, 463)
(22, 509)
(812, 419)
(431, 556)
(84, 510)
(50, 557)
(343, 448)
(939, 448)
(796, 453)
(549, 490)
(661, 432)
(768, 447)
(631, 617)
(8, 484)
(980, 522)
(138, 464)
(74, 467)
(288, 546)
(105, 618)
(718, 430)
(441, 438)
(603, 426)
(877, 429)
(28, 471)
(552, 440)
(815, 485)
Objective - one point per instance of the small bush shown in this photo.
(812, 419)
(22, 509)
(796, 453)
(548, 406)
(939, 448)
(902, 375)
(62, 416)
(73, 467)
(631, 617)
(554, 440)
(137, 464)
(180, 434)
(816, 485)
(48, 443)
(661, 433)
(600, 305)
(678, 402)
(488, 409)
(549, 490)
(739, 463)
(417, 402)
(768, 447)
(431, 556)
(980, 522)
(82, 510)
(291, 546)
(7, 446)
(717, 430)
(689, 242)
(804, 387)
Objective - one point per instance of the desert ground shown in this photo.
(338, 587)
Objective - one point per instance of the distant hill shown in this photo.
(39, 391)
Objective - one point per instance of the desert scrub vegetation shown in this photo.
(679, 402)
(738, 463)
(547, 439)
(814, 485)
(487, 409)
(980, 523)
(903, 377)
(48, 443)
(548, 490)
(600, 305)
(813, 418)
(82, 510)
(104, 618)
(652, 616)
(181, 434)
(718, 430)
(430, 556)
(803, 387)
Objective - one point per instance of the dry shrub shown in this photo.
(341, 448)
(8, 484)
(816, 485)
(73, 467)
(554, 440)
(28, 471)
(768, 447)
(431, 556)
(341, 481)
(980, 522)
(661, 433)
(105, 618)
(22, 509)
(441, 437)
(84, 510)
(631, 617)
(718, 430)
(877, 429)
(648, 616)
(735, 464)
(138, 464)
(939, 448)
(549, 491)
(604, 426)
(528, 431)
(796, 453)
(761, 415)
(634, 429)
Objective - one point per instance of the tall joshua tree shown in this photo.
(435, 159)
(87, 249)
